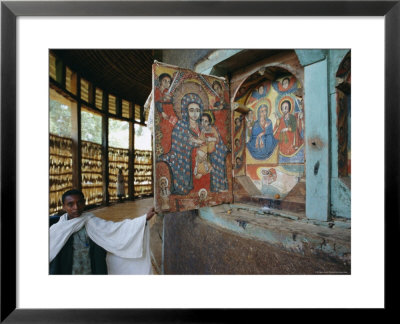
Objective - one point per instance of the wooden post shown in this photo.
(131, 170)
(76, 140)
(104, 142)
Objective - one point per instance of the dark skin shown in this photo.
(150, 213)
(75, 204)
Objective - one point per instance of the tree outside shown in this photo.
(60, 119)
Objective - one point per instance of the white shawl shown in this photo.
(127, 242)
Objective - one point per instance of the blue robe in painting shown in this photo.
(262, 153)
(180, 156)
(218, 180)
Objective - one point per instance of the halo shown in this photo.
(166, 179)
(291, 100)
(266, 102)
(188, 87)
(202, 190)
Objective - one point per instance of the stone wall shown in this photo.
(193, 245)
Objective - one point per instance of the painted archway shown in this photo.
(268, 139)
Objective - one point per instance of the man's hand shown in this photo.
(150, 213)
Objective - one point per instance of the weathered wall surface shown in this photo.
(185, 59)
(193, 245)
(340, 192)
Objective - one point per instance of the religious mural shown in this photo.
(274, 134)
(192, 139)
(239, 140)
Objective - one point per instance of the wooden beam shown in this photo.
(131, 169)
(76, 141)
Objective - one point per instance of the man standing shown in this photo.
(81, 243)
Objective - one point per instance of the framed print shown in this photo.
(214, 19)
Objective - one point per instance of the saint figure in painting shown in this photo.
(216, 153)
(259, 93)
(210, 136)
(164, 193)
(249, 124)
(262, 142)
(221, 100)
(164, 106)
(285, 83)
(288, 130)
(267, 181)
(275, 182)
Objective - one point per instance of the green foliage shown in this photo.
(60, 119)
(118, 133)
(91, 127)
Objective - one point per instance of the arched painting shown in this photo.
(273, 157)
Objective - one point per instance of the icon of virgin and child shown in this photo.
(196, 158)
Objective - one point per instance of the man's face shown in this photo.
(166, 82)
(261, 90)
(285, 108)
(74, 206)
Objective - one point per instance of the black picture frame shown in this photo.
(10, 10)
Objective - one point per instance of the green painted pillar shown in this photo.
(316, 103)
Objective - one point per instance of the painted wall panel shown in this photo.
(274, 133)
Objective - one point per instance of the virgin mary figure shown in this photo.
(262, 142)
(184, 139)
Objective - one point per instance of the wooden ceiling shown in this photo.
(127, 73)
(124, 73)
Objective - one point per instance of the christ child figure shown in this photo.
(209, 135)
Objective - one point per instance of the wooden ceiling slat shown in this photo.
(124, 73)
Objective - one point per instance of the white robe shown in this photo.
(127, 243)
